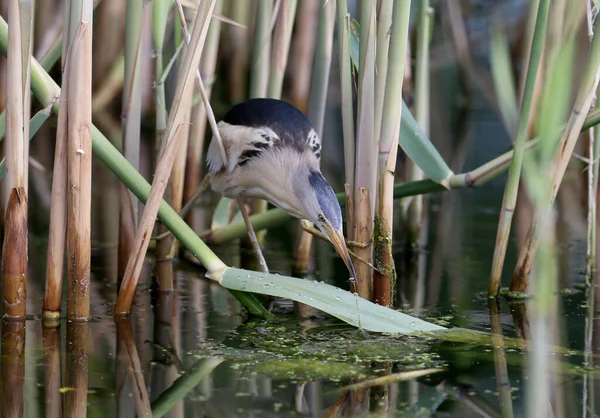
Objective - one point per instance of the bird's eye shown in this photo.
(321, 218)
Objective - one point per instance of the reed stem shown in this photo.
(198, 132)
(131, 123)
(14, 254)
(365, 186)
(514, 175)
(281, 47)
(79, 161)
(317, 106)
(388, 148)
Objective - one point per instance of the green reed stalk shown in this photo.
(415, 211)
(261, 49)
(281, 47)
(259, 73)
(388, 148)
(538, 177)
(514, 175)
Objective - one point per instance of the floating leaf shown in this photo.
(342, 304)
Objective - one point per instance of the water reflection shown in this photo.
(190, 353)
(13, 367)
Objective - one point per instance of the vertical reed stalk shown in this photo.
(415, 212)
(238, 40)
(388, 148)
(281, 46)
(167, 158)
(302, 52)
(58, 203)
(12, 368)
(512, 186)
(193, 165)
(131, 121)
(79, 158)
(259, 74)
(317, 106)
(384, 27)
(261, 50)
(594, 153)
(14, 255)
(366, 159)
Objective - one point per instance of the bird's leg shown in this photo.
(252, 236)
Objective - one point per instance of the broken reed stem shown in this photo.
(388, 149)
(281, 47)
(180, 105)
(197, 139)
(592, 204)
(131, 125)
(58, 204)
(512, 184)
(14, 254)
(316, 108)
(365, 191)
(79, 159)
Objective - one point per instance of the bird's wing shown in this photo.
(242, 144)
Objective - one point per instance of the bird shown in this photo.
(273, 153)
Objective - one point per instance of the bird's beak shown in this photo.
(337, 239)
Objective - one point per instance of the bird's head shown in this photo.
(320, 205)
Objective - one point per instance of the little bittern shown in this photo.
(273, 153)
